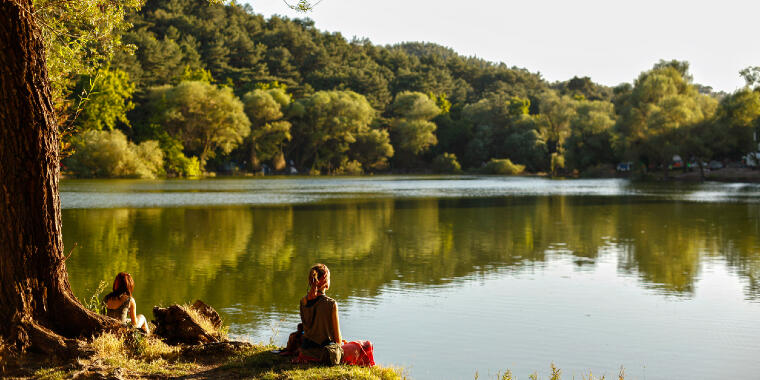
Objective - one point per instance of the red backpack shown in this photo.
(359, 352)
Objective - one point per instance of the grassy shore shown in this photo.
(136, 356)
(139, 357)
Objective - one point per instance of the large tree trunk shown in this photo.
(37, 307)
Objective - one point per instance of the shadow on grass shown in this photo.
(259, 362)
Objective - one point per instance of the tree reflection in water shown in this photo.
(257, 256)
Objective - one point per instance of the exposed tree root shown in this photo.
(59, 337)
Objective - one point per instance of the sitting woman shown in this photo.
(121, 305)
(321, 339)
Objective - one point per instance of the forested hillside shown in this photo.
(222, 89)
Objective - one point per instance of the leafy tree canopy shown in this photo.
(204, 117)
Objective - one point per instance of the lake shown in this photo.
(449, 276)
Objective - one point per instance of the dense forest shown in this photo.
(218, 88)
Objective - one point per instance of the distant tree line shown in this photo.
(203, 88)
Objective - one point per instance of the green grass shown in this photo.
(259, 362)
(555, 375)
(95, 303)
(50, 374)
(138, 356)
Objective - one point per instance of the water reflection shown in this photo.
(257, 256)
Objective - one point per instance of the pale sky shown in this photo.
(611, 41)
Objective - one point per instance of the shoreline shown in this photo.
(127, 358)
(725, 175)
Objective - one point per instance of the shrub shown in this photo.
(557, 163)
(152, 159)
(503, 166)
(351, 168)
(177, 164)
(109, 154)
(446, 163)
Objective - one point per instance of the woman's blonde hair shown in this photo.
(317, 273)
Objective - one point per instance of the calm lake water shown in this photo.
(450, 275)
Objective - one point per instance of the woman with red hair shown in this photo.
(121, 305)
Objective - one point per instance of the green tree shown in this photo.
(108, 102)
(372, 149)
(442, 101)
(156, 62)
(661, 102)
(269, 131)
(301, 5)
(413, 132)
(590, 139)
(453, 133)
(198, 74)
(502, 127)
(736, 124)
(669, 120)
(204, 117)
(446, 163)
(107, 154)
(415, 106)
(526, 144)
(557, 112)
(80, 38)
(751, 75)
(325, 125)
(38, 307)
(584, 88)
(176, 163)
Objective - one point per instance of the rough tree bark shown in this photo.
(37, 307)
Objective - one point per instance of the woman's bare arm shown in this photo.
(336, 325)
(133, 311)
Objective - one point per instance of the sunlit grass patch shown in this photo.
(338, 372)
(50, 374)
(139, 354)
(258, 361)
(151, 348)
(206, 324)
(108, 345)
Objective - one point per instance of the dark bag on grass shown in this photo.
(311, 352)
